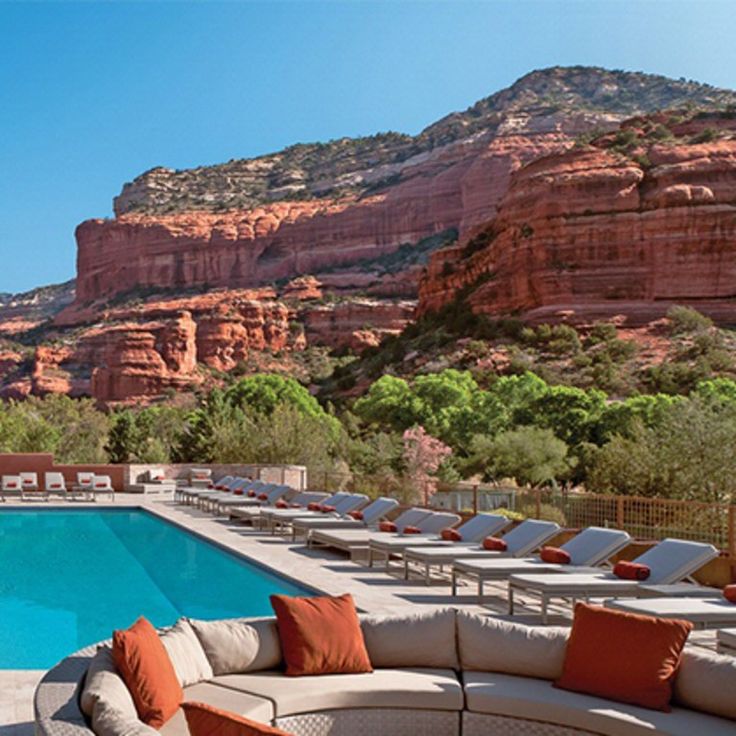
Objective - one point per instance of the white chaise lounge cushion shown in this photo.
(431, 689)
(419, 640)
(186, 653)
(238, 645)
(103, 684)
(706, 681)
(531, 698)
(489, 644)
(250, 706)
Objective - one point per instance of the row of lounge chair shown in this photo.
(25, 486)
(420, 540)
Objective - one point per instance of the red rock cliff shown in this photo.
(591, 233)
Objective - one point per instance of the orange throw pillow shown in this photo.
(631, 570)
(411, 530)
(451, 535)
(494, 544)
(623, 656)
(555, 555)
(144, 665)
(321, 635)
(282, 505)
(357, 515)
(729, 593)
(205, 720)
(387, 526)
(314, 506)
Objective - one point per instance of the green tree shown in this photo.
(530, 455)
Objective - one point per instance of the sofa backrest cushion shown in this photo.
(239, 645)
(103, 684)
(186, 654)
(488, 644)
(426, 639)
(706, 681)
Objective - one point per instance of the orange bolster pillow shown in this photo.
(251, 494)
(282, 505)
(631, 570)
(11, 485)
(356, 515)
(387, 526)
(451, 535)
(729, 593)
(494, 544)
(238, 492)
(412, 530)
(218, 487)
(555, 555)
(28, 483)
(326, 509)
(100, 485)
(210, 485)
(55, 485)
(314, 506)
(144, 665)
(263, 496)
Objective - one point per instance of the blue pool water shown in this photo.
(69, 577)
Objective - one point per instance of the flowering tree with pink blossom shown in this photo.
(423, 455)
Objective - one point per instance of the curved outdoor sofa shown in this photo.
(444, 672)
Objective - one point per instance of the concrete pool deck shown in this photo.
(332, 573)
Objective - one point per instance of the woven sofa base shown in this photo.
(373, 722)
(484, 724)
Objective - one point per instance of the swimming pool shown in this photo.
(69, 577)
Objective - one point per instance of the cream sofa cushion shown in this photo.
(239, 645)
(186, 653)
(431, 689)
(419, 640)
(706, 681)
(488, 644)
(235, 701)
(106, 721)
(103, 684)
(539, 700)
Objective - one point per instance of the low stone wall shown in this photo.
(291, 475)
(124, 476)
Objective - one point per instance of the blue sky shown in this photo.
(94, 93)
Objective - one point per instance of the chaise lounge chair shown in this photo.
(351, 540)
(238, 488)
(102, 485)
(669, 561)
(472, 532)
(268, 495)
(188, 495)
(253, 514)
(281, 520)
(711, 611)
(30, 490)
(360, 519)
(11, 487)
(592, 547)
(83, 487)
(55, 484)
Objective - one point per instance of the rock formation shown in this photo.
(629, 225)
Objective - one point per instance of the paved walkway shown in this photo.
(374, 590)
